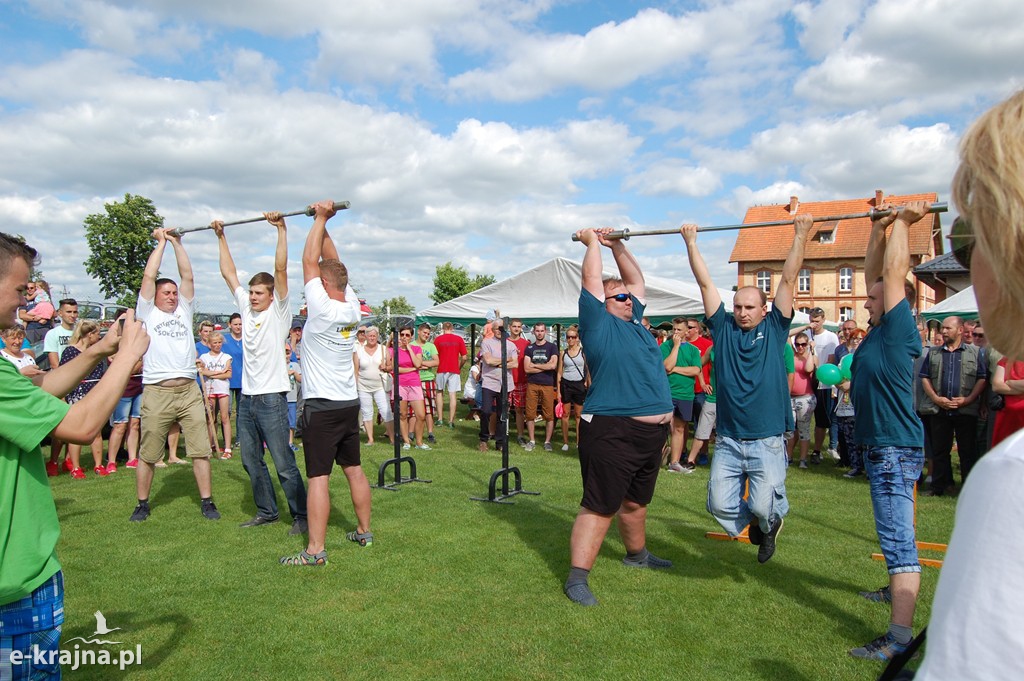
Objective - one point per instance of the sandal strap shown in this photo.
(303, 558)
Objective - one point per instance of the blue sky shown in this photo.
(481, 132)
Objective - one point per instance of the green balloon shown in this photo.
(829, 374)
(846, 366)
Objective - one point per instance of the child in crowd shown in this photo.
(215, 368)
(294, 380)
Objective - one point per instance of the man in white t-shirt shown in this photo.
(54, 342)
(263, 409)
(330, 419)
(170, 393)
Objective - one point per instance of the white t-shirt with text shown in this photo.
(328, 340)
(172, 346)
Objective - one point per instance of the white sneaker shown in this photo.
(529, 446)
(565, 448)
(676, 467)
(834, 453)
(406, 446)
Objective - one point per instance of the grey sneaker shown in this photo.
(853, 473)
(209, 510)
(547, 447)
(883, 648)
(140, 513)
(648, 561)
(300, 526)
(521, 441)
(816, 457)
(676, 467)
(882, 595)
(767, 548)
(580, 593)
(529, 446)
(803, 464)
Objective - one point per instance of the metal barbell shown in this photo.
(625, 234)
(308, 210)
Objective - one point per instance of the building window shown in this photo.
(764, 281)
(803, 281)
(845, 279)
(805, 310)
(846, 313)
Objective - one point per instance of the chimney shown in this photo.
(878, 198)
(794, 203)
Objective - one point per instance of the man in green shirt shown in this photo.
(31, 583)
(428, 374)
(682, 364)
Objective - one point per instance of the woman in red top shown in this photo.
(1008, 381)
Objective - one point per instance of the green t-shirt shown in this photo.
(429, 352)
(787, 355)
(28, 516)
(688, 356)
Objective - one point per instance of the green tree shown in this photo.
(398, 305)
(120, 241)
(451, 282)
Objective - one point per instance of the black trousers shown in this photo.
(943, 429)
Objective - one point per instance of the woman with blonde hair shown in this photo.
(975, 624)
(86, 334)
(372, 362)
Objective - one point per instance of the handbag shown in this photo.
(559, 409)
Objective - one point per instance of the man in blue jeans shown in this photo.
(753, 397)
(882, 393)
(263, 409)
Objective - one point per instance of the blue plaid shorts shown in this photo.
(30, 624)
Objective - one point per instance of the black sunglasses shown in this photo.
(961, 241)
(621, 297)
(572, 336)
(800, 345)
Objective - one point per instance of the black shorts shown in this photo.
(330, 436)
(619, 459)
(823, 408)
(573, 392)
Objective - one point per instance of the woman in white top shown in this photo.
(13, 340)
(975, 629)
(370, 360)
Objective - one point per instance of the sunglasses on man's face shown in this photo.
(800, 345)
(620, 297)
(961, 242)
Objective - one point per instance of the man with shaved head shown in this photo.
(953, 378)
(753, 397)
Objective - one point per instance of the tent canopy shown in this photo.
(550, 293)
(963, 304)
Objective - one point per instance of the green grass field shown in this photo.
(457, 589)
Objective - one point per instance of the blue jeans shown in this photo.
(762, 464)
(893, 472)
(264, 418)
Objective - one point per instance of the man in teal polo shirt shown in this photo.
(31, 583)
(625, 415)
(753, 397)
(882, 391)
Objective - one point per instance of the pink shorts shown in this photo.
(410, 393)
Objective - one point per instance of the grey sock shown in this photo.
(577, 576)
(638, 556)
(901, 633)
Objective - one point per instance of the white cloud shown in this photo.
(673, 177)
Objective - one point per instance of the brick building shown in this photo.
(832, 277)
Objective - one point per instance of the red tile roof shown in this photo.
(851, 236)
